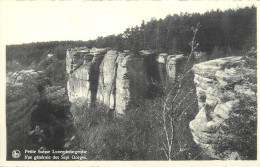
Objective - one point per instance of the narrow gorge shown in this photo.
(117, 79)
(50, 116)
(176, 85)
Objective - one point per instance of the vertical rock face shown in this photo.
(131, 81)
(22, 98)
(31, 97)
(116, 79)
(222, 87)
(21, 101)
(107, 79)
(173, 65)
(75, 58)
(83, 70)
(161, 63)
(169, 67)
(122, 79)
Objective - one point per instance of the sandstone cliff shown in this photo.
(116, 79)
(37, 77)
(21, 101)
(26, 91)
(22, 98)
(56, 96)
(223, 88)
(83, 67)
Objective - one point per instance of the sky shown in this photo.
(36, 21)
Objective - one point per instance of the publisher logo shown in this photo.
(16, 154)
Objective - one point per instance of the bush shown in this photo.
(137, 135)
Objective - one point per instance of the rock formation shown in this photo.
(37, 77)
(107, 79)
(83, 67)
(116, 79)
(57, 97)
(21, 101)
(174, 65)
(22, 98)
(25, 91)
(223, 86)
(169, 67)
(161, 63)
(131, 81)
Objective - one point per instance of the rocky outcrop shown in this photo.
(84, 70)
(131, 81)
(57, 97)
(161, 65)
(116, 79)
(21, 101)
(223, 86)
(76, 57)
(32, 101)
(169, 66)
(37, 77)
(106, 93)
(174, 65)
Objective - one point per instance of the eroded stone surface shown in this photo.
(131, 81)
(57, 97)
(84, 71)
(169, 67)
(21, 100)
(106, 93)
(173, 65)
(219, 85)
(29, 93)
(27, 76)
(116, 79)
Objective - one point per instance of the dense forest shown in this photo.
(172, 34)
(229, 30)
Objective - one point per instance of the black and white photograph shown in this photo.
(129, 81)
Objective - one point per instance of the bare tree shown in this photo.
(173, 105)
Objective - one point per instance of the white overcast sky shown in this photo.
(32, 21)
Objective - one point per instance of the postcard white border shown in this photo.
(188, 163)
